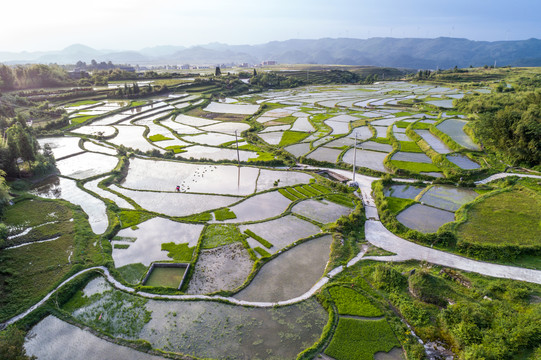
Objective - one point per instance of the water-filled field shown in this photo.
(283, 231)
(366, 158)
(448, 197)
(424, 218)
(463, 162)
(290, 274)
(455, 129)
(62, 146)
(322, 211)
(403, 191)
(144, 245)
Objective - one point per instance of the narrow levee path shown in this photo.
(375, 233)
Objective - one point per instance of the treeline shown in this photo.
(19, 149)
(508, 123)
(33, 76)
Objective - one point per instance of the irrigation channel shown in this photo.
(375, 233)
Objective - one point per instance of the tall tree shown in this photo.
(218, 72)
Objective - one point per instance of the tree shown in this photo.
(255, 72)
(11, 344)
(217, 72)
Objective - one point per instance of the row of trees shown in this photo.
(32, 76)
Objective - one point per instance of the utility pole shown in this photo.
(237, 141)
(354, 156)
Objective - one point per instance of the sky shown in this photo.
(39, 25)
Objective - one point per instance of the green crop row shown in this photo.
(262, 252)
(259, 239)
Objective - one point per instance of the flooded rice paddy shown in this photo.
(424, 218)
(322, 211)
(366, 158)
(290, 274)
(144, 244)
(166, 276)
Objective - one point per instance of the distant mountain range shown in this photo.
(392, 52)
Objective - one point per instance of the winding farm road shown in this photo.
(375, 233)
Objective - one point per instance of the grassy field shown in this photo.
(414, 166)
(361, 339)
(158, 137)
(29, 272)
(224, 214)
(350, 302)
(218, 235)
(410, 146)
(507, 218)
(292, 137)
(396, 205)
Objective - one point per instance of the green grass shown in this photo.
(396, 205)
(178, 252)
(121, 246)
(81, 119)
(380, 140)
(410, 146)
(177, 149)
(259, 239)
(294, 192)
(361, 339)
(310, 190)
(292, 137)
(202, 217)
(224, 214)
(129, 218)
(133, 273)
(350, 302)
(137, 103)
(218, 235)
(402, 124)
(262, 252)
(415, 167)
(29, 272)
(341, 199)
(287, 194)
(286, 120)
(158, 137)
(81, 103)
(402, 113)
(321, 188)
(303, 191)
(511, 217)
(421, 126)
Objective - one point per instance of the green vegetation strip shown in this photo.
(259, 239)
(262, 252)
(321, 188)
(415, 167)
(224, 214)
(361, 339)
(292, 137)
(295, 193)
(287, 194)
(396, 205)
(158, 137)
(350, 302)
(341, 199)
(178, 252)
(218, 235)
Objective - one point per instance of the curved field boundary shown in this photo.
(503, 175)
(375, 233)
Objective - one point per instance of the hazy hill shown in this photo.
(409, 53)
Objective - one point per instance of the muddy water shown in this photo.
(291, 274)
(219, 331)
